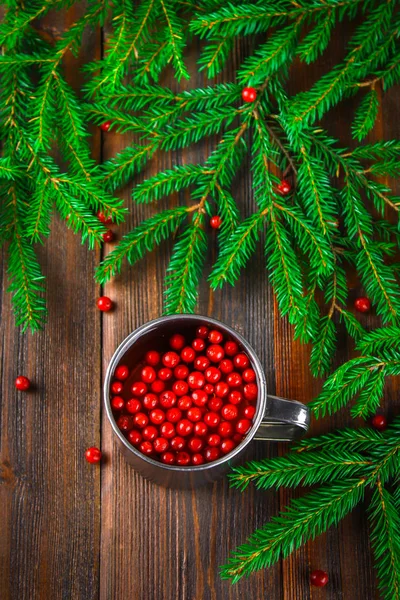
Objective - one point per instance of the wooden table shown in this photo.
(72, 531)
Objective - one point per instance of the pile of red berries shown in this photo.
(189, 405)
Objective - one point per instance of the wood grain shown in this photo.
(77, 533)
(49, 495)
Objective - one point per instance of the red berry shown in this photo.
(167, 430)
(157, 416)
(118, 403)
(231, 348)
(133, 406)
(135, 437)
(194, 414)
(249, 376)
(379, 422)
(214, 439)
(103, 219)
(209, 389)
(105, 126)
(198, 344)
(243, 426)
(182, 458)
(108, 236)
(160, 445)
(249, 94)
(226, 365)
(148, 374)
(196, 380)
(185, 402)
(213, 374)
(174, 415)
(104, 303)
(241, 361)
(197, 459)
(139, 388)
(157, 386)
(170, 360)
(121, 372)
(181, 372)
(165, 374)
(235, 397)
(116, 387)
(229, 412)
(202, 332)
(167, 399)
(250, 391)
(152, 358)
(234, 380)
(227, 446)
(319, 578)
(221, 389)
(150, 401)
(93, 455)
(188, 354)
(178, 443)
(284, 187)
(238, 437)
(177, 341)
(200, 397)
(211, 454)
(180, 388)
(195, 444)
(150, 433)
(212, 419)
(141, 420)
(168, 458)
(215, 353)
(215, 222)
(362, 304)
(200, 429)
(215, 404)
(215, 336)
(146, 447)
(201, 363)
(22, 383)
(184, 427)
(225, 429)
(249, 412)
(125, 423)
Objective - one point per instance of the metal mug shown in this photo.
(275, 419)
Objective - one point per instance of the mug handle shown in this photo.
(284, 420)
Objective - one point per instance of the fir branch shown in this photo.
(175, 38)
(140, 240)
(358, 440)
(366, 114)
(385, 527)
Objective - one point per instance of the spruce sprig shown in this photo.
(347, 462)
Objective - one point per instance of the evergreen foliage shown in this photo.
(347, 463)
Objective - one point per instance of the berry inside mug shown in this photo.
(185, 395)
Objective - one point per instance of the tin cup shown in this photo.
(276, 419)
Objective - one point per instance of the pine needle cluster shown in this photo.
(346, 467)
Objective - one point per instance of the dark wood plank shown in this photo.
(49, 495)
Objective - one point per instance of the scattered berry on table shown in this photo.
(93, 455)
(108, 236)
(22, 383)
(215, 222)
(185, 402)
(104, 303)
(249, 94)
(379, 422)
(319, 578)
(284, 187)
(362, 304)
(105, 126)
(103, 219)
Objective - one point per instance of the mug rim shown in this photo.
(129, 341)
